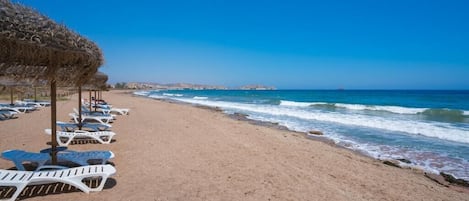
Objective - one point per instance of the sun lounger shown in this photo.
(87, 118)
(72, 176)
(103, 137)
(41, 103)
(6, 114)
(107, 109)
(85, 126)
(28, 104)
(112, 110)
(86, 111)
(18, 157)
(17, 109)
(121, 111)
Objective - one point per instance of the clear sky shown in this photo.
(373, 44)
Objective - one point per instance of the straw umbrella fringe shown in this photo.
(35, 47)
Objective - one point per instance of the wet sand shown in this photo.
(169, 151)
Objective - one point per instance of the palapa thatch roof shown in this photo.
(97, 82)
(34, 46)
(8, 82)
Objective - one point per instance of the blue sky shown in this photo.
(396, 44)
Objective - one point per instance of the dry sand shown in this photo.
(167, 151)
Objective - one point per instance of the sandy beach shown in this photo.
(168, 151)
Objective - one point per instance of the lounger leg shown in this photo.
(67, 142)
(19, 189)
(19, 165)
(78, 182)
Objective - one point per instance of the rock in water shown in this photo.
(404, 160)
(392, 163)
(453, 180)
(316, 132)
(437, 178)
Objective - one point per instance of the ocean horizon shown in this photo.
(430, 128)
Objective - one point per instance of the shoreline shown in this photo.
(166, 151)
(441, 178)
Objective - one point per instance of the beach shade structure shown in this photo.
(12, 83)
(34, 47)
(97, 83)
(98, 80)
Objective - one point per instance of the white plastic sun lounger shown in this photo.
(6, 114)
(71, 176)
(121, 111)
(103, 137)
(99, 113)
(83, 158)
(65, 126)
(16, 108)
(28, 104)
(108, 109)
(86, 118)
(40, 103)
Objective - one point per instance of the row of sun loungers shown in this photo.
(75, 167)
(11, 111)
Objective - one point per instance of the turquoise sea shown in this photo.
(429, 128)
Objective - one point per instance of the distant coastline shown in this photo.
(187, 86)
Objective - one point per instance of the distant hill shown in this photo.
(173, 86)
(176, 86)
(256, 87)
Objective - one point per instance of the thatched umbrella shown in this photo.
(97, 81)
(35, 47)
(12, 83)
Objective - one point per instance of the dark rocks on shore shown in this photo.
(443, 178)
(392, 163)
(451, 179)
(405, 160)
(239, 116)
(244, 117)
(216, 109)
(316, 132)
(447, 179)
(437, 178)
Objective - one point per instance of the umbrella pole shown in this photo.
(53, 92)
(79, 108)
(11, 96)
(90, 99)
(95, 100)
(35, 94)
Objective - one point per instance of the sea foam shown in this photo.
(392, 109)
(141, 93)
(439, 130)
(200, 98)
(170, 94)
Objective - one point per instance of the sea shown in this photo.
(428, 128)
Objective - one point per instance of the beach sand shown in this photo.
(168, 151)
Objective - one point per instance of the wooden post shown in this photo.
(53, 97)
(35, 94)
(90, 99)
(95, 100)
(11, 96)
(79, 108)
